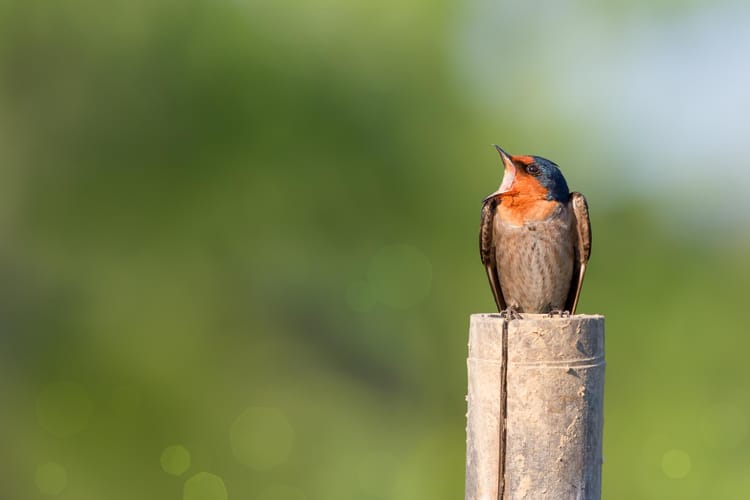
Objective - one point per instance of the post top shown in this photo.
(535, 316)
(538, 338)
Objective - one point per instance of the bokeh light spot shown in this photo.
(281, 492)
(63, 408)
(261, 438)
(400, 276)
(51, 478)
(205, 486)
(359, 296)
(676, 464)
(175, 460)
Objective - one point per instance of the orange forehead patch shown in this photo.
(525, 160)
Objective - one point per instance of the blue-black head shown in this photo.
(549, 175)
(525, 174)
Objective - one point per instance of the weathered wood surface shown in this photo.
(534, 421)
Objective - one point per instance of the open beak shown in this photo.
(508, 177)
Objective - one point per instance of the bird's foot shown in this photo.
(510, 313)
(559, 312)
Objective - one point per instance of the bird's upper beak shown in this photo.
(508, 177)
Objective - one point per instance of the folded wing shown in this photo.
(582, 237)
(487, 250)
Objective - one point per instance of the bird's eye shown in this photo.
(532, 169)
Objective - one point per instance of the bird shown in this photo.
(534, 239)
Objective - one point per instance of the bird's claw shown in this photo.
(510, 313)
(559, 312)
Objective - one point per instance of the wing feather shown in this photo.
(582, 237)
(487, 250)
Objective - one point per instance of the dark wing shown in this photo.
(487, 250)
(582, 238)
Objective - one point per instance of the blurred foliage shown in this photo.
(238, 239)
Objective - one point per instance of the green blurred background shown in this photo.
(238, 239)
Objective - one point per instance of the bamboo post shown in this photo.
(534, 421)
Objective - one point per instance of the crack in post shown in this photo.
(503, 411)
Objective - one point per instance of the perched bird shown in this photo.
(534, 238)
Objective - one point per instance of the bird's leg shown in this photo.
(510, 313)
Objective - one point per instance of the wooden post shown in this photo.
(534, 421)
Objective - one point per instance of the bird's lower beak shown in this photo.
(508, 177)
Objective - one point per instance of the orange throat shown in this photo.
(526, 201)
(517, 209)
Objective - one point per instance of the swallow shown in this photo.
(534, 238)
